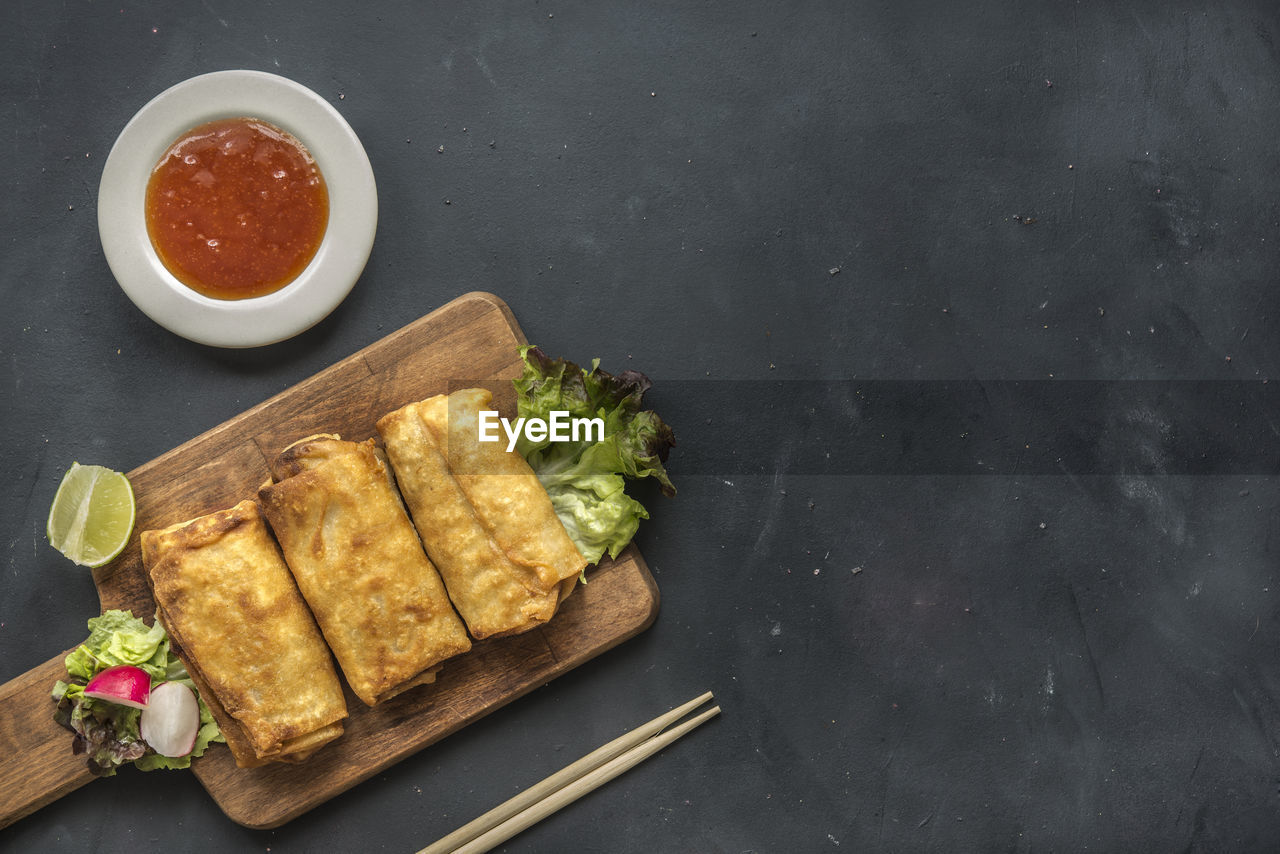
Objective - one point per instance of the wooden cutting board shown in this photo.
(471, 341)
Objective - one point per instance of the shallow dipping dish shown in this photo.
(318, 289)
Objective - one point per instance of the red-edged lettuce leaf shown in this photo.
(586, 478)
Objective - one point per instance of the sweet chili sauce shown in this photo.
(236, 208)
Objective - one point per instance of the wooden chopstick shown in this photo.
(570, 783)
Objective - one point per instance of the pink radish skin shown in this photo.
(171, 720)
(123, 684)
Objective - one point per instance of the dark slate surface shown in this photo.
(964, 315)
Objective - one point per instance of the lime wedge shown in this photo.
(92, 515)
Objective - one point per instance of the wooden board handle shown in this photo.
(36, 762)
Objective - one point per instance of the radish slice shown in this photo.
(171, 720)
(123, 684)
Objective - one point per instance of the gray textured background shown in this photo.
(975, 536)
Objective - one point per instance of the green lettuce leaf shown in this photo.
(118, 637)
(586, 479)
(108, 733)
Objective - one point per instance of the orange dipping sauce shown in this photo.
(236, 208)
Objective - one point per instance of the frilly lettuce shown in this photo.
(118, 637)
(107, 732)
(586, 479)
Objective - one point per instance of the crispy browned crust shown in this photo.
(508, 499)
(359, 564)
(225, 597)
(297, 457)
(237, 739)
(495, 596)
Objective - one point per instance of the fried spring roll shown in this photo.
(360, 566)
(509, 500)
(486, 522)
(253, 649)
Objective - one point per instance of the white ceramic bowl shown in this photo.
(326, 281)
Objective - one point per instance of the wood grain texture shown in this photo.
(470, 341)
(36, 763)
